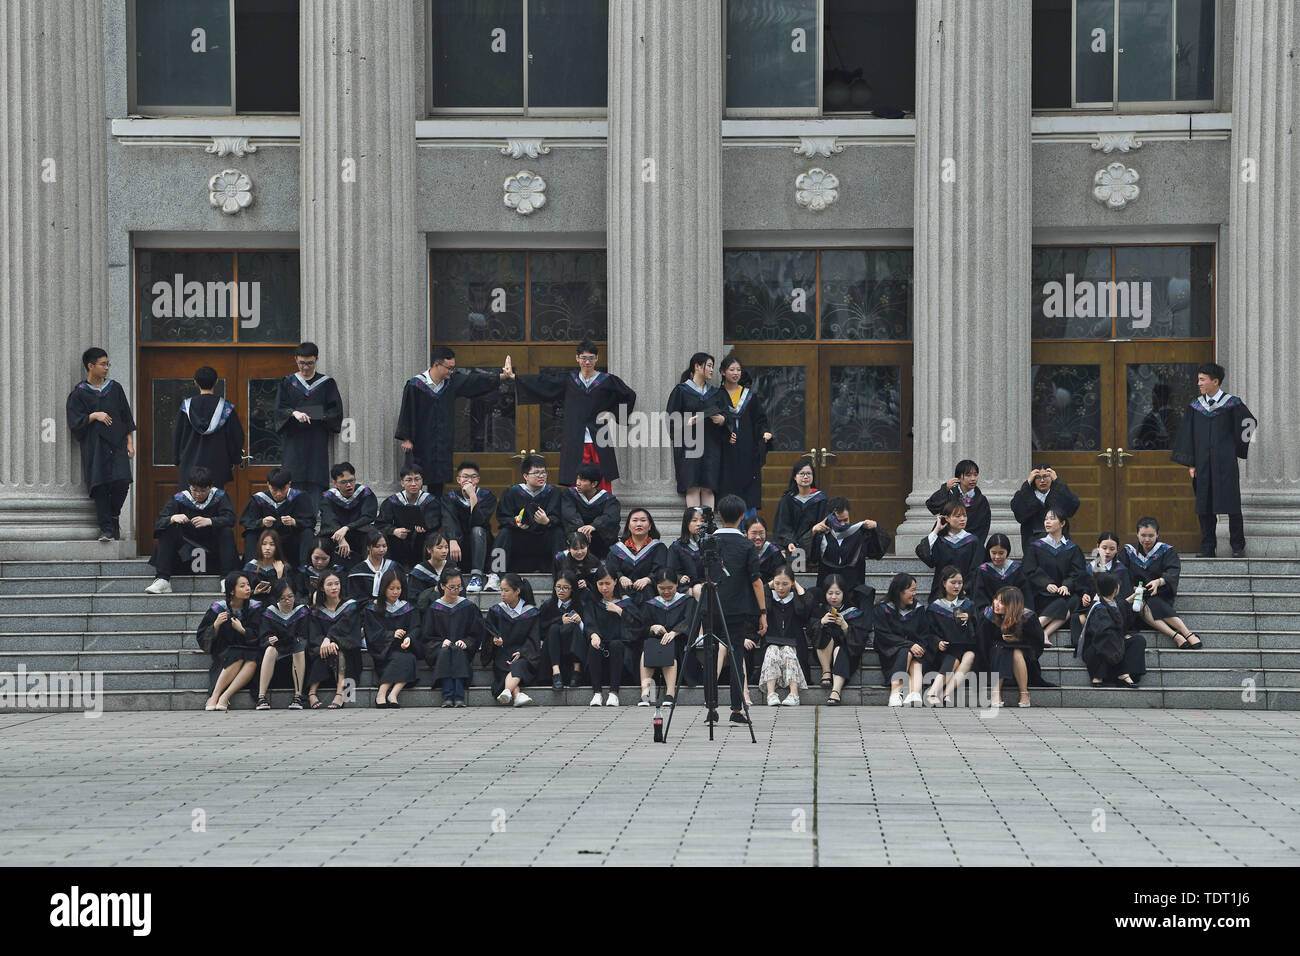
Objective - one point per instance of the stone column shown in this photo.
(1258, 341)
(53, 263)
(971, 251)
(362, 259)
(663, 194)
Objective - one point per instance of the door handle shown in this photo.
(1107, 454)
(826, 454)
(245, 460)
(1121, 454)
(810, 453)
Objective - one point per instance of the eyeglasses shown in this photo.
(452, 587)
(537, 473)
(586, 359)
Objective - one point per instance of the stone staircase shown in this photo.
(93, 616)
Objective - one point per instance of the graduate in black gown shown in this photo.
(514, 646)
(1014, 638)
(785, 645)
(747, 440)
(586, 394)
(770, 557)
(1057, 572)
(422, 582)
(801, 507)
(1217, 429)
(588, 508)
(561, 628)
(953, 624)
(841, 632)
(609, 624)
(1042, 491)
(903, 641)
(99, 417)
(531, 529)
(1108, 650)
(426, 421)
(963, 489)
(699, 424)
(998, 572)
(308, 409)
(684, 553)
(320, 562)
(288, 512)
(282, 632)
(636, 558)
(578, 560)
(665, 620)
(1155, 566)
(269, 568)
(195, 530)
(408, 516)
(1105, 558)
(843, 546)
(467, 513)
(392, 629)
(333, 641)
(347, 512)
(453, 632)
(365, 578)
(228, 632)
(208, 433)
(949, 543)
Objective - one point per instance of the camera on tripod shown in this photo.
(704, 538)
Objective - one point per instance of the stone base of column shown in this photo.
(663, 503)
(1269, 517)
(36, 528)
(918, 522)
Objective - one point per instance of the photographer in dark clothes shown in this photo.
(742, 596)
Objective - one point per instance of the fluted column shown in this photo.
(362, 263)
(1259, 342)
(971, 252)
(665, 215)
(53, 260)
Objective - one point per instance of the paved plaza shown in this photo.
(823, 786)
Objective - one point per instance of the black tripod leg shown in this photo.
(737, 673)
(690, 649)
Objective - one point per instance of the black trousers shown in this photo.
(219, 542)
(109, 498)
(602, 667)
(557, 647)
(1209, 532)
(739, 627)
(474, 549)
(529, 552)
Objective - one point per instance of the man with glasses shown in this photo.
(426, 423)
(308, 409)
(407, 517)
(99, 417)
(529, 517)
(587, 395)
(347, 513)
(467, 522)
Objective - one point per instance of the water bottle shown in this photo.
(659, 725)
(1137, 600)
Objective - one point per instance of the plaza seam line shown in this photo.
(817, 724)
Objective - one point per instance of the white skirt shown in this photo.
(782, 665)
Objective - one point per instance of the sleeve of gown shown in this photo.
(532, 389)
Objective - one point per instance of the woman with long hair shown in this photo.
(1013, 637)
(696, 407)
(228, 632)
(333, 640)
(903, 640)
(634, 560)
(747, 439)
(802, 506)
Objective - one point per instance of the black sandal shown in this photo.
(1188, 639)
(833, 701)
(336, 704)
(827, 682)
(314, 702)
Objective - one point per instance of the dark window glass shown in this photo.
(1147, 61)
(263, 439)
(568, 61)
(866, 408)
(204, 308)
(477, 53)
(478, 296)
(1179, 283)
(182, 52)
(783, 390)
(266, 56)
(486, 423)
(276, 297)
(1194, 50)
(769, 294)
(567, 296)
(1158, 394)
(1066, 413)
(771, 53)
(866, 294)
(1066, 286)
(168, 393)
(1094, 51)
(1051, 54)
(869, 56)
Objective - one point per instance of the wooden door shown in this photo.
(492, 430)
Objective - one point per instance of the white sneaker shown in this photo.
(644, 701)
(791, 700)
(595, 700)
(896, 700)
(503, 697)
(912, 700)
(611, 700)
(159, 586)
(522, 699)
(493, 583)
(773, 700)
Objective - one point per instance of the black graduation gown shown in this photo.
(343, 627)
(1105, 647)
(602, 512)
(1001, 652)
(289, 630)
(398, 511)
(258, 575)
(895, 632)
(741, 470)
(701, 471)
(305, 446)
(1116, 568)
(618, 638)
(787, 626)
(225, 644)
(795, 519)
(581, 406)
(427, 418)
(979, 516)
(421, 583)
(515, 499)
(852, 643)
(584, 569)
(676, 616)
(103, 447)
(770, 558)
(458, 519)
(963, 553)
(1063, 565)
(462, 621)
(558, 638)
(1211, 441)
(1162, 562)
(847, 557)
(363, 580)
(622, 561)
(308, 577)
(684, 561)
(944, 626)
(218, 539)
(296, 505)
(519, 633)
(358, 513)
(1029, 510)
(208, 434)
(989, 580)
(393, 665)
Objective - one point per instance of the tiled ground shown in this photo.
(579, 786)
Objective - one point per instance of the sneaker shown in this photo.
(493, 583)
(595, 700)
(475, 584)
(773, 700)
(574, 679)
(668, 701)
(522, 699)
(503, 697)
(159, 586)
(263, 703)
(791, 700)
(105, 537)
(448, 702)
(896, 700)
(738, 717)
(460, 702)
(644, 701)
(296, 703)
(557, 682)
(912, 700)
(611, 700)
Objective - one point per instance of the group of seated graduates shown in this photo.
(324, 583)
